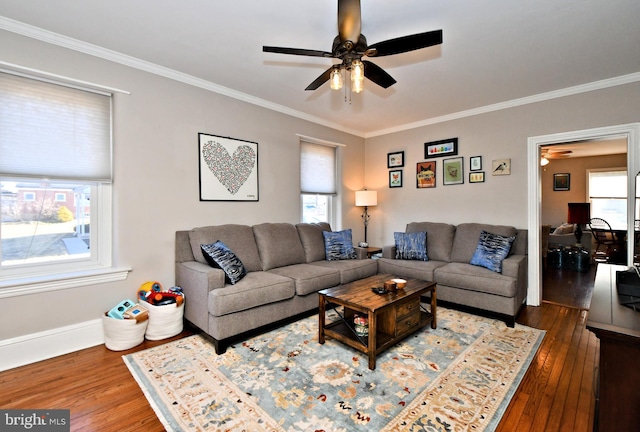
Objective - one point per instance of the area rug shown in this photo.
(458, 377)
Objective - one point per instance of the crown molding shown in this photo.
(541, 97)
(123, 59)
(116, 57)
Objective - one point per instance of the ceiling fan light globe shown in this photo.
(336, 79)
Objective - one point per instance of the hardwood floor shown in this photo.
(556, 394)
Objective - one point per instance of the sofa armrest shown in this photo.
(516, 267)
(196, 280)
(389, 252)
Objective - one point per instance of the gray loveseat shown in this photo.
(286, 267)
(449, 250)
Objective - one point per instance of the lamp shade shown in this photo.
(579, 213)
(366, 198)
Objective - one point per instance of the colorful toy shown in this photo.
(151, 292)
(119, 310)
(137, 313)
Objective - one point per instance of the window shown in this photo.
(55, 179)
(608, 196)
(317, 181)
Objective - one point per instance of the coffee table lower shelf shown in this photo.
(346, 334)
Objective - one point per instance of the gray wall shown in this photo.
(496, 135)
(156, 176)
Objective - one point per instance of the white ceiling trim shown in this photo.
(116, 57)
(569, 91)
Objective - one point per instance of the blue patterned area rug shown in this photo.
(458, 377)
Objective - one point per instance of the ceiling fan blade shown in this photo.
(349, 20)
(406, 43)
(376, 74)
(326, 75)
(296, 51)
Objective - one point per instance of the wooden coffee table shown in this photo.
(392, 316)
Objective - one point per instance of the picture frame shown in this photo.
(447, 147)
(453, 171)
(228, 168)
(395, 178)
(561, 182)
(501, 167)
(475, 163)
(426, 175)
(476, 177)
(395, 160)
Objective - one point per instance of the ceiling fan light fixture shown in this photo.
(336, 79)
(357, 76)
(544, 161)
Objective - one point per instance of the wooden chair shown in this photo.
(605, 239)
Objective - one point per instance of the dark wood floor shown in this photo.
(556, 394)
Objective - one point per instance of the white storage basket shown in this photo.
(122, 334)
(164, 321)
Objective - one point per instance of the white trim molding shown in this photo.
(23, 350)
(631, 132)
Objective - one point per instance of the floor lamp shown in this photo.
(366, 199)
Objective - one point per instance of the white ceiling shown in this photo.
(495, 52)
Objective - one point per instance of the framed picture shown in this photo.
(395, 160)
(228, 169)
(453, 171)
(561, 182)
(395, 178)
(448, 147)
(501, 167)
(475, 163)
(476, 177)
(426, 175)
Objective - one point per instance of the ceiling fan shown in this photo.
(350, 46)
(555, 154)
(546, 154)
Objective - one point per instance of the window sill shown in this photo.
(39, 284)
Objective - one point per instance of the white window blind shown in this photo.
(53, 131)
(317, 169)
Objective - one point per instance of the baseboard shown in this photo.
(44, 345)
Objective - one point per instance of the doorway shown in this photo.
(630, 132)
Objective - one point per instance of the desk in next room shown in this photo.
(618, 329)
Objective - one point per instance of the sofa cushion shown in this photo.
(219, 255)
(309, 278)
(239, 238)
(312, 239)
(440, 238)
(409, 269)
(255, 289)
(474, 278)
(565, 228)
(351, 270)
(411, 246)
(338, 245)
(491, 251)
(278, 245)
(467, 235)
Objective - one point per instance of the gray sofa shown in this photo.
(286, 267)
(450, 249)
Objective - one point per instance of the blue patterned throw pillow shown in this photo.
(491, 251)
(411, 246)
(219, 255)
(338, 245)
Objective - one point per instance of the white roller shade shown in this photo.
(317, 169)
(53, 131)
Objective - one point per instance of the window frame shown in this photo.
(31, 278)
(622, 198)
